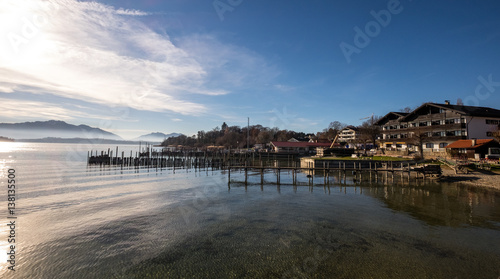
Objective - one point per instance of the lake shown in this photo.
(76, 221)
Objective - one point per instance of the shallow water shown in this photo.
(75, 221)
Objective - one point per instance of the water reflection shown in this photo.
(443, 204)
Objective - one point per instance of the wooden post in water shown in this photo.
(261, 173)
(278, 174)
(324, 173)
(246, 173)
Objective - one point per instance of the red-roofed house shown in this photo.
(472, 148)
(297, 147)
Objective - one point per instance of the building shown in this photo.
(297, 147)
(472, 149)
(434, 126)
(348, 134)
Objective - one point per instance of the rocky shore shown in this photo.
(484, 179)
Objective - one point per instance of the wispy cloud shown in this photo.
(131, 12)
(16, 109)
(99, 54)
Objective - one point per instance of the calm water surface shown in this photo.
(75, 221)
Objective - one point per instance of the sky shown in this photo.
(135, 67)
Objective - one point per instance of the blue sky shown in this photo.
(134, 67)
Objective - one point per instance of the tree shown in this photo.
(369, 132)
(264, 136)
(331, 132)
(496, 135)
(336, 125)
(223, 127)
(418, 138)
(406, 109)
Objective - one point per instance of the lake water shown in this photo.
(75, 221)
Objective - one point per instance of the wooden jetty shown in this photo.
(355, 168)
(258, 165)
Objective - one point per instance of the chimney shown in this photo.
(446, 102)
(473, 142)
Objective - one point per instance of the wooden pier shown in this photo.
(252, 165)
(355, 168)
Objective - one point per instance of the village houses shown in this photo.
(434, 126)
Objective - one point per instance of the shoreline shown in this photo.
(480, 179)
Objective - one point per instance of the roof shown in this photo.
(299, 144)
(461, 109)
(350, 127)
(390, 116)
(468, 143)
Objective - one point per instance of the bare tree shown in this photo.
(369, 131)
(337, 125)
(496, 135)
(406, 109)
(418, 138)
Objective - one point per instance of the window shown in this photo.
(398, 145)
(489, 134)
(436, 134)
(450, 133)
(449, 121)
(491, 122)
(443, 144)
(423, 123)
(435, 122)
(429, 145)
(414, 124)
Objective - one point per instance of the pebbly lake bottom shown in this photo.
(307, 235)
(79, 222)
(296, 232)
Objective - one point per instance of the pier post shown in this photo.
(246, 173)
(261, 173)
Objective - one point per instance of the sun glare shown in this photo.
(24, 24)
(7, 147)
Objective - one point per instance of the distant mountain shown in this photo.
(79, 140)
(156, 137)
(4, 139)
(53, 129)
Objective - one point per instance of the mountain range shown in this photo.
(54, 131)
